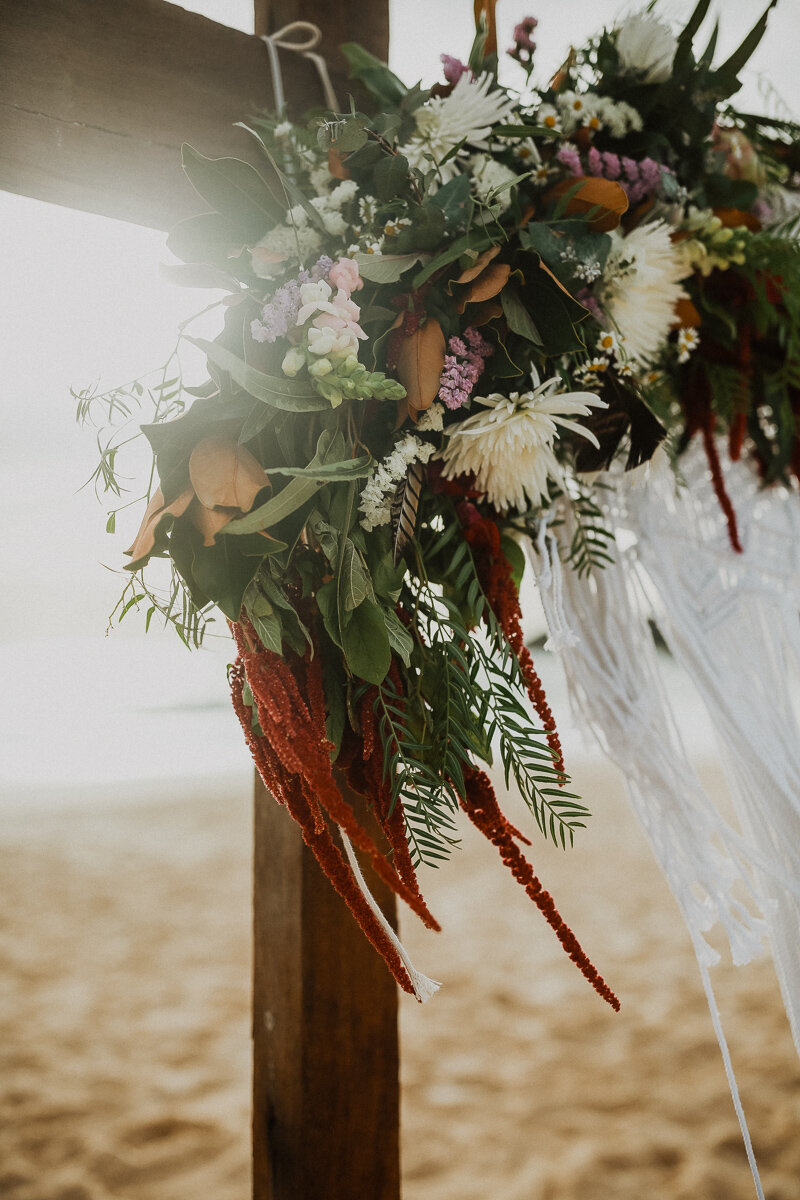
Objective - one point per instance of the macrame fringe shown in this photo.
(731, 620)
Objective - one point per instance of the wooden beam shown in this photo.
(326, 1060)
(96, 99)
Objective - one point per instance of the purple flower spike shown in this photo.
(463, 367)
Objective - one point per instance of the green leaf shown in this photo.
(522, 131)
(355, 584)
(376, 77)
(292, 497)
(223, 574)
(208, 237)
(695, 21)
(474, 242)
(266, 622)
(454, 199)
(390, 177)
(290, 395)
(234, 189)
(294, 194)
(338, 472)
(400, 639)
(365, 641)
(733, 65)
(328, 606)
(518, 317)
(386, 268)
(425, 231)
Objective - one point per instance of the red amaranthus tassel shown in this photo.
(719, 481)
(481, 806)
(292, 756)
(501, 592)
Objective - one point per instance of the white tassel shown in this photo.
(423, 987)
(549, 579)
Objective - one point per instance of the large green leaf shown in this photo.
(386, 268)
(234, 189)
(335, 472)
(290, 395)
(375, 75)
(365, 641)
(519, 319)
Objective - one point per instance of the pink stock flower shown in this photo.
(344, 274)
(454, 68)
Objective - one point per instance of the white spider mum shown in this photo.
(646, 44)
(468, 114)
(643, 273)
(509, 446)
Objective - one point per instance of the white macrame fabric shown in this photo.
(733, 622)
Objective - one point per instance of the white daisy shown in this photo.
(468, 114)
(645, 44)
(509, 445)
(688, 340)
(643, 274)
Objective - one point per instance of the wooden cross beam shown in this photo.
(95, 101)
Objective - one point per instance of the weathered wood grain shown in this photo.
(96, 99)
(326, 1061)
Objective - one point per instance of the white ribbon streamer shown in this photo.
(423, 987)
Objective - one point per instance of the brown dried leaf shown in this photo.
(487, 311)
(605, 195)
(225, 474)
(686, 314)
(420, 364)
(733, 217)
(490, 281)
(480, 263)
(156, 510)
(336, 166)
(208, 520)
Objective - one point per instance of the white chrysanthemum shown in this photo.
(509, 445)
(467, 115)
(643, 273)
(487, 175)
(646, 44)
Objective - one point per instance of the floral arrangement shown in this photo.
(445, 312)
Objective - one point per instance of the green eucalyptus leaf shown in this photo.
(390, 177)
(400, 639)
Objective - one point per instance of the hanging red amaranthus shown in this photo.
(481, 806)
(292, 755)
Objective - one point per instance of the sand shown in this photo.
(124, 1021)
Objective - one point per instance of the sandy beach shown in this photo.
(124, 1020)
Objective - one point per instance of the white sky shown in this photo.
(82, 301)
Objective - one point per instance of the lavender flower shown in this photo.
(569, 157)
(279, 314)
(463, 367)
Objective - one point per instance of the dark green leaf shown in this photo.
(290, 395)
(365, 641)
(234, 189)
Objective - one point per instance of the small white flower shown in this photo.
(548, 117)
(313, 296)
(376, 497)
(432, 420)
(645, 44)
(509, 445)
(283, 130)
(688, 340)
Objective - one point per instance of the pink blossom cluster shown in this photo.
(463, 367)
(454, 68)
(524, 45)
(639, 179)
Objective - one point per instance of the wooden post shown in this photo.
(95, 100)
(325, 1045)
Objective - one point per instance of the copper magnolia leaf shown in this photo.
(606, 196)
(208, 520)
(420, 364)
(481, 262)
(155, 512)
(225, 474)
(686, 314)
(487, 285)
